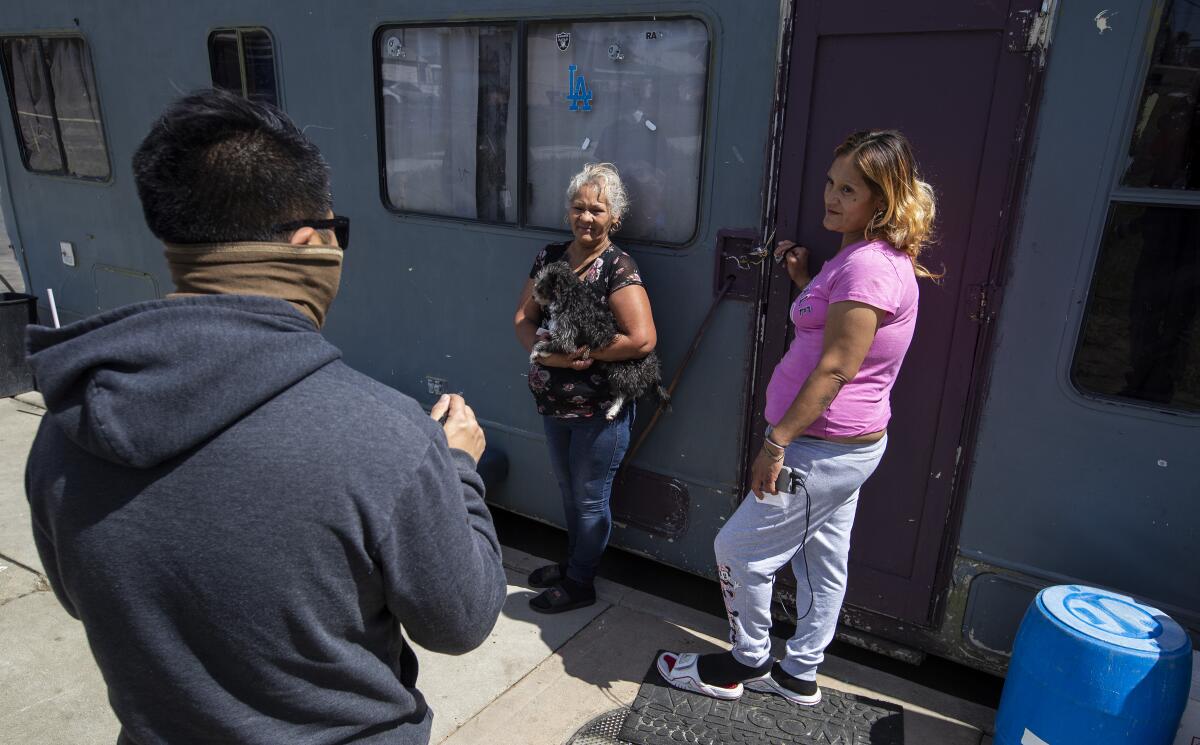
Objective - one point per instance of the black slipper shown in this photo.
(547, 576)
(560, 600)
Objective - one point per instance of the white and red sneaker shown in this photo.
(680, 671)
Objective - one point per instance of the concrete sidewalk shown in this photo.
(535, 681)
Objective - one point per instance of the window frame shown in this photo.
(520, 28)
(238, 31)
(22, 148)
(1117, 194)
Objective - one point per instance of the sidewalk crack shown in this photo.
(26, 567)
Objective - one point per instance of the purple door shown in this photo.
(954, 76)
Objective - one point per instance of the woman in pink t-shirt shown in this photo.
(828, 407)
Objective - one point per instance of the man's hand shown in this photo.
(795, 260)
(462, 431)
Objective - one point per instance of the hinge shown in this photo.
(1029, 32)
(981, 302)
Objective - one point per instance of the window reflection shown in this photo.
(1166, 138)
(645, 83)
(77, 107)
(29, 93)
(449, 120)
(260, 67)
(1139, 338)
(223, 61)
(243, 61)
(52, 89)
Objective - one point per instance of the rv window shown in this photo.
(225, 61)
(449, 132)
(1165, 149)
(52, 90)
(631, 93)
(1141, 332)
(243, 61)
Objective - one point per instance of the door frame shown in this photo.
(1003, 167)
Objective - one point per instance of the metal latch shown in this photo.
(739, 254)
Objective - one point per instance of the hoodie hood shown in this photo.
(146, 382)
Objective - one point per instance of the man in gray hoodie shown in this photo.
(243, 523)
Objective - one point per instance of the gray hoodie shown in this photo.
(244, 524)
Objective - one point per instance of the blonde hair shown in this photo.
(885, 159)
(607, 180)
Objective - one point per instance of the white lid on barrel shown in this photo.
(1114, 619)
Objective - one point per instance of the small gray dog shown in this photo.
(581, 319)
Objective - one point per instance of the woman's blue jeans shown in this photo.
(585, 455)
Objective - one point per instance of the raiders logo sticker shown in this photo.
(564, 41)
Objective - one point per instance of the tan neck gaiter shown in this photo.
(305, 276)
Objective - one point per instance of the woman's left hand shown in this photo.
(763, 473)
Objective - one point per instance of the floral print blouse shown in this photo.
(574, 394)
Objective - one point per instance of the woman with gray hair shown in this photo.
(585, 448)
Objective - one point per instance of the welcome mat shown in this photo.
(662, 715)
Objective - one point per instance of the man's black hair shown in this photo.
(218, 168)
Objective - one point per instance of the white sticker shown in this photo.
(1102, 18)
(651, 125)
(586, 141)
(1031, 739)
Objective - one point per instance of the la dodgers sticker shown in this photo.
(578, 93)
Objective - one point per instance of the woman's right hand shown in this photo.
(795, 260)
(580, 359)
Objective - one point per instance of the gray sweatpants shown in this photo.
(812, 531)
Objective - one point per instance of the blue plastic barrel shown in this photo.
(1095, 668)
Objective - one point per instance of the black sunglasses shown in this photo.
(338, 224)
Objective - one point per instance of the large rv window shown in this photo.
(52, 90)
(1140, 339)
(449, 131)
(243, 61)
(1141, 334)
(1164, 152)
(631, 93)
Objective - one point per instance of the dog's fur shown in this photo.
(581, 319)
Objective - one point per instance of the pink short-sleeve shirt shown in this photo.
(878, 275)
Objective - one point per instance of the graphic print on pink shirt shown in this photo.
(872, 273)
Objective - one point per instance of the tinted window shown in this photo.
(52, 89)
(260, 67)
(29, 93)
(1140, 338)
(243, 61)
(631, 93)
(447, 97)
(225, 61)
(1165, 148)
